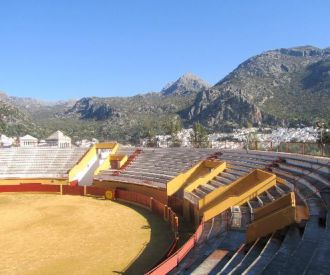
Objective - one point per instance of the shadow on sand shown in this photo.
(160, 240)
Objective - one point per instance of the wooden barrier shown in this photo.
(197, 175)
(176, 204)
(237, 193)
(286, 200)
(73, 190)
(270, 223)
(273, 216)
(174, 260)
(95, 191)
(31, 187)
(133, 197)
(211, 169)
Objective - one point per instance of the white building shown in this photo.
(58, 139)
(28, 141)
(6, 141)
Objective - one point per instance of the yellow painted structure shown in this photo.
(106, 164)
(108, 145)
(217, 168)
(88, 156)
(199, 174)
(82, 163)
(178, 182)
(121, 159)
(273, 216)
(237, 193)
(287, 200)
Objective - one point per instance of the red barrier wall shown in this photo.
(132, 197)
(157, 208)
(30, 187)
(176, 204)
(95, 191)
(173, 261)
(73, 190)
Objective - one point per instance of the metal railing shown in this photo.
(304, 148)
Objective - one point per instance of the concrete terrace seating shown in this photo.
(289, 244)
(265, 256)
(158, 165)
(298, 249)
(319, 264)
(38, 162)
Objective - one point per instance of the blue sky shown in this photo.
(70, 49)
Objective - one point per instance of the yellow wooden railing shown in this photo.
(237, 193)
(199, 174)
(273, 216)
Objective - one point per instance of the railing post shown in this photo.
(166, 212)
(322, 150)
(151, 203)
(176, 225)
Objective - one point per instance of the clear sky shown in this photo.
(59, 49)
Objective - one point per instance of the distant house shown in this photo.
(58, 139)
(6, 141)
(28, 141)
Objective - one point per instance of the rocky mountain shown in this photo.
(13, 121)
(129, 116)
(186, 84)
(279, 86)
(40, 108)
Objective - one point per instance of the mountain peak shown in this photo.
(301, 51)
(187, 83)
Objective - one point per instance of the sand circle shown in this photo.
(54, 234)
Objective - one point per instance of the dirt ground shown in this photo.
(53, 234)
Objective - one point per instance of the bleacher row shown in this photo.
(297, 249)
(38, 162)
(294, 250)
(156, 167)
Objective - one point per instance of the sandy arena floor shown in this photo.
(53, 234)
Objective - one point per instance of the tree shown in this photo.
(199, 138)
(172, 127)
(325, 137)
(151, 139)
(324, 134)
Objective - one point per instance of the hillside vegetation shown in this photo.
(286, 87)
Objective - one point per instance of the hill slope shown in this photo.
(13, 121)
(285, 85)
(278, 87)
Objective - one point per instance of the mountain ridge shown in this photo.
(262, 91)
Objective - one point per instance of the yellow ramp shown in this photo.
(198, 175)
(237, 193)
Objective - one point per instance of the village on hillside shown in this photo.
(235, 140)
